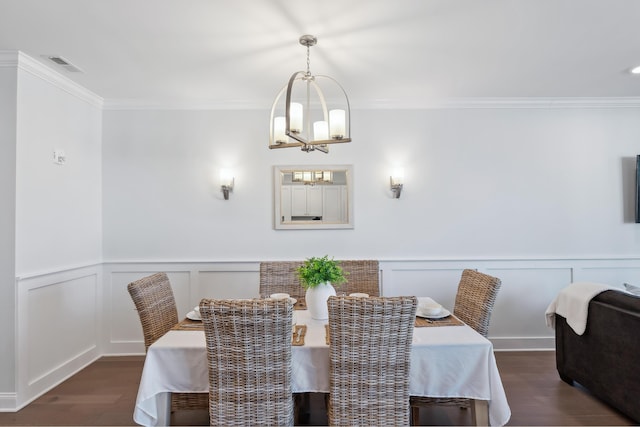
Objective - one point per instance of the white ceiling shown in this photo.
(402, 53)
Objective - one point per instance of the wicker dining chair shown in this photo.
(249, 361)
(281, 276)
(474, 302)
(363, 276)
(369, 360)
(156, 306)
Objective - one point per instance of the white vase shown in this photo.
(316, 299)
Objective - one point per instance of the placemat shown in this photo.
(298, 335)
(301, 304)
(446, 321)
(188, 325)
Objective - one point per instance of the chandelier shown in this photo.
(310, 112)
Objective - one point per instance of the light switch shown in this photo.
(59, 157)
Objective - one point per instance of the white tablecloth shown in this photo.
(446, 361)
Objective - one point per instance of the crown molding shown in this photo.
(577, 102)
(504, 103)
(36, 68)
(168, 104)
(26, 63)
(443, 104)
(8, 58)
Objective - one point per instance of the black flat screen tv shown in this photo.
(638, 189)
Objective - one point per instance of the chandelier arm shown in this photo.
(328, 141)
(323, 102)
(322, 148)
(287, 113)
(288, 145)
(346, 97)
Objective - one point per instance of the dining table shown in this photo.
(448, 359)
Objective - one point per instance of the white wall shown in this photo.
(539, 197)
(59, 207)
(514, 183)
(8, 99)
(58, 230)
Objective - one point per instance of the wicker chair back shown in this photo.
(369, 360)
(249, 360)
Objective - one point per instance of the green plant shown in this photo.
(316, 271)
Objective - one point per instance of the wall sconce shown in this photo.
(397, 180)
(226, 182)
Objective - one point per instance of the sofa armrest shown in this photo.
(605, 358)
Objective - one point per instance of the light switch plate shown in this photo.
(59, 157)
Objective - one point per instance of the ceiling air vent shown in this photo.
(59, 60)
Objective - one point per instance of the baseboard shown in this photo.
(122, 348)
(523, 344)
(8, 402)
(54, 377)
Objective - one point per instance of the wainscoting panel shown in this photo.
(190, 282)
(122, 316)
(528, 286)
(522, 301)
(519, 310)
(227, 284)
(615, 276)
(59, 323)
(517, 323)
(439, 282)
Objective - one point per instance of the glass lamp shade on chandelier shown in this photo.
(310, 112)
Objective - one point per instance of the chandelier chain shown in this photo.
(308, 62)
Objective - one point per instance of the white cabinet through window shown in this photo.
(334, 204)
(306, 201)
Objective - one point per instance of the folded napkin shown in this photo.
(572, 303)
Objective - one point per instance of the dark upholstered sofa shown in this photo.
(606, 358)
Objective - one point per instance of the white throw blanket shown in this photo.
(572, 303)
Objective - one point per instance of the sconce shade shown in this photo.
(397, 177)
(397, 182)
(315, 111)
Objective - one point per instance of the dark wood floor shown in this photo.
(104, 394)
